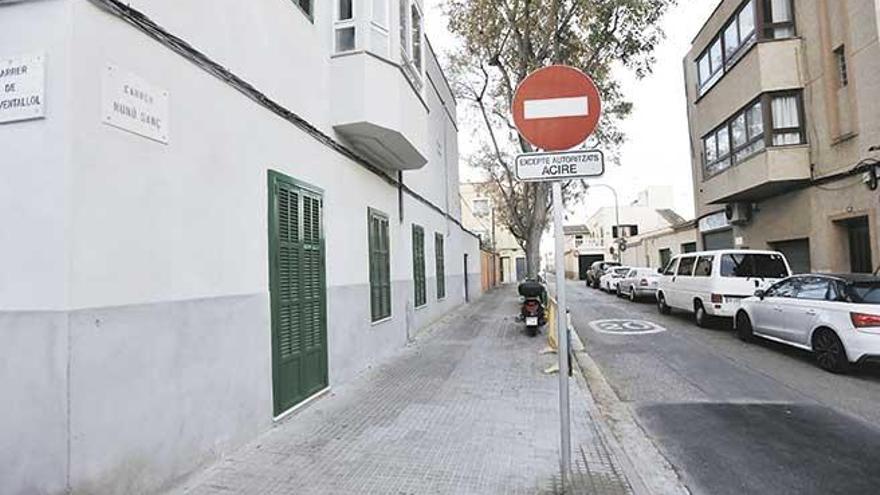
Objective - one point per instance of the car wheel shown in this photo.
(661, 304)
(700, 316)
(632, 294)
(744, 327)
(829, 351)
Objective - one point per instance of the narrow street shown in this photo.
(465, 409)
(733, 417)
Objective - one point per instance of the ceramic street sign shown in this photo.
(556, 108)
(22, 88)
(560, 165)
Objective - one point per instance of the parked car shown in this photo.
(637, 283)
(608, 282)
(597, 269)
(837, 317)
(713, 283)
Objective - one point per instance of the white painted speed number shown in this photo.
(626, 327)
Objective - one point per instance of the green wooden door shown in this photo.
(298, 294)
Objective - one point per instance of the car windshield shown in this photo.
(621, 271)
(864, 292)
(752, 265)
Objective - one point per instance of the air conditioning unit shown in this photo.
(739, 213)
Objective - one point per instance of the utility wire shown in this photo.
(146, 25)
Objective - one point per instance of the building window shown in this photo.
(840, 57)
(481, 207)
(440, 265)
(711, 65)
(778, 19)
(305, 6)
(404, 31)
(346, 10)
(380, 13)
(418, 246)
(344, 27)
(416, 27)
(380, 265)
(667, 263)
(626, 230)
(742, 136)
(411, 34)
(689, 247)
(739, 34)
(578, 240)
(787, 126)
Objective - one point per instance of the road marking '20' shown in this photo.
(626, 327)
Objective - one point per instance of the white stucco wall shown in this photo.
(144, 266)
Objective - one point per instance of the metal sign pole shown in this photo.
(562, 335)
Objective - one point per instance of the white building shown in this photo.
(212, 211)
(597, 238)
(480, 215)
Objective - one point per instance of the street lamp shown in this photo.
(616, 212)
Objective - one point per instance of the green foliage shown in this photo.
(505, 40)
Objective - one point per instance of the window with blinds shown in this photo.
(380, 265)
(440, 265)
(418, 246)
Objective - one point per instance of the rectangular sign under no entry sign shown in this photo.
(561, 165)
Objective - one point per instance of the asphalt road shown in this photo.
(734, 418)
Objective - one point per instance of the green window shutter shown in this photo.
(418, 239)
(298, 294)
(440, 265)
(380, 264)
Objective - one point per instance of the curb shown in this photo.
(646, 468)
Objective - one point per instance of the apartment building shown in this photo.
(600, 237)
(783, 100)
(213, 212)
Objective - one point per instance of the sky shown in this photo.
(656, 151)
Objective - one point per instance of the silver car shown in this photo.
(638, 283)
(837, 317)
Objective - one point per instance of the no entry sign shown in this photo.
(556, 108)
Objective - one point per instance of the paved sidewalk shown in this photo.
(466, 409)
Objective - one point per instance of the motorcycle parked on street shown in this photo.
(534, 303)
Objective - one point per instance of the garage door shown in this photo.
(585, 261)
(718, 240)
(797, 252)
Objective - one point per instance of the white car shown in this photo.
(837, 317)
(608, 282)
(638, 282)
(713, 283)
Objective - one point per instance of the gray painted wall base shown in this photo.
(131, 399)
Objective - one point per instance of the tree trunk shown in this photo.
(533, 252)
(533, 237)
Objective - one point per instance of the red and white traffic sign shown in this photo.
(556, 108)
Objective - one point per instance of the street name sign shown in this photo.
(132, 104)
(556, 108)
(560, 165)
(22, 88)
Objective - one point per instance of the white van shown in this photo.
(712, 283)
